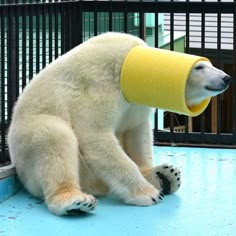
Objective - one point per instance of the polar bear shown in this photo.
(73, 135)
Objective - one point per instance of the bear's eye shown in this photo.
(200, 67)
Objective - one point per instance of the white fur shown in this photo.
(205, 82)
(73, 134)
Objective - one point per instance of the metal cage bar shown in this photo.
(203, 115)
(3, 157)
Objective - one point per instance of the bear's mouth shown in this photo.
(215, 89)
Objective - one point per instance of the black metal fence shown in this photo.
(34, 32)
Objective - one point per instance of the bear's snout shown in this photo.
(227, 79)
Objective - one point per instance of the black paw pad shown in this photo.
(165, 183)
(73, 212)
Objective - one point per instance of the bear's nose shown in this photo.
(227, 79)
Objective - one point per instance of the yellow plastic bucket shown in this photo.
(157, 78)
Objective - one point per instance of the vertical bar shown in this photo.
(171, 127)
(17, 53)
(24, 46)
(155, 132)
(172, 49)
(3, 122)
(79, 19)
(61, 10)
(76, 25)
(56, 29)
(125, 17)
(110, 16)
(44, 45)
(172, 28)
(69, 27)
(203, 18)
(31, 44)
(95, 15)
(218, 63)
(9, 52)
(187, 28)
(187, 119)
(156, 42)
(203, 116)
(12, 61)
(19, 48)
(37, 39)
(67, 32)
(50, 32)
(73, 26)
(234, 80)
(142, 30)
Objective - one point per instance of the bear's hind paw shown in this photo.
(170, 178)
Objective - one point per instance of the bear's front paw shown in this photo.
(79, 206)
(146, 197)
(170, 178)
(71, 204)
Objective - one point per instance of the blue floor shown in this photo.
(204, 205)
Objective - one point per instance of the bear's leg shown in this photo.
(48, 165)
(138, 143)
(111, 164)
